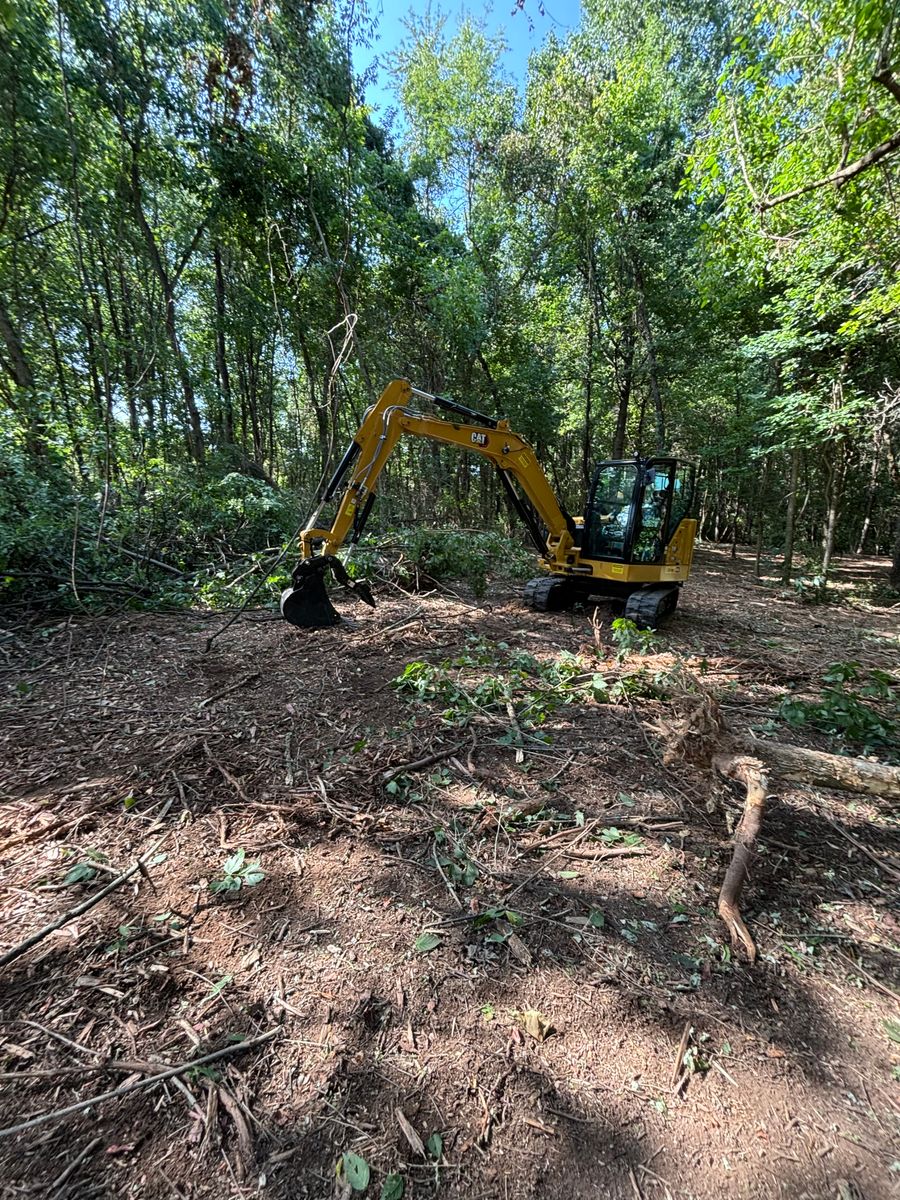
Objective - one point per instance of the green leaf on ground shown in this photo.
(426, 942)
(435, 1146)
(356, 1170)
(393, 1187)
(82, 873)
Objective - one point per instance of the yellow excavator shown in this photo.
(634, 543)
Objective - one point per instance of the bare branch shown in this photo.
(743, 162)
(888, 79)
(876, 154)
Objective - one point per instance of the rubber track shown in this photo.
(649, 607)
(538, 592)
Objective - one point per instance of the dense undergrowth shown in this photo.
(162, 537)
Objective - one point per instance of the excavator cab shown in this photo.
(634, 544)
(632, 507)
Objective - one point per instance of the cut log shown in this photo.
(828, 770)
(752, 774)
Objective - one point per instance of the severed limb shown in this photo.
(817, 769)
(752, 774)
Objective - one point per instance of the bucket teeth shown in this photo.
(307, 605)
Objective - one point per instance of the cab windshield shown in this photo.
(609, 515)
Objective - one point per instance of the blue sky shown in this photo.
(560, 16)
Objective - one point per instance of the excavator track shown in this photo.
(650, 606)
(546, 594)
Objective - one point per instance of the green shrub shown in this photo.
(416, 557)
(866, 717)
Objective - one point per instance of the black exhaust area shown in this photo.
(307, 605)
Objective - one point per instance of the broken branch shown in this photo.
(68, 915)
(138, 1084)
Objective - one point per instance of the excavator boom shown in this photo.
(306, 603)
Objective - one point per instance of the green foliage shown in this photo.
(810, 589)
(864, 717)
(429, 556)
(628, 638)
(393, 1187)
(354, 1169)
(237, 873)
(488, 678)
(426, 942)
(453, 859)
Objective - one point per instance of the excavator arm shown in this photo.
(386, 422)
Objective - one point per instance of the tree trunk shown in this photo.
(643, 318)
(195, 439)
(761, 516)
(62, 386)
(18, 367)
(624, 381)
(835, 479)
(870, 498)
(894, 575)
(818, 769)
(586, 456)
(734, 527)
(221, 356)
(790, 517)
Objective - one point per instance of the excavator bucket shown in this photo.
(307, 604)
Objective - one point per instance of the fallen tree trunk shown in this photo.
(828, 770)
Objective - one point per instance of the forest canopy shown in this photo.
(679, 233)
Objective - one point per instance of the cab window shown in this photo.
(610, 510)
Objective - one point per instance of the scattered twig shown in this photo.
(409, 1132)
(420, 764)
(550, 857)
(871, 978)
(227, 775)
(638, 1194)
(143, 559)
(450, 888)
(73, 1166)
(136, 1085)
(245, 1154)
(517, 730)
(60, 1037)
(863, 849)
(609, 852)
(718, 1066)
(679, 1057)
(233, 687)
(67, 916)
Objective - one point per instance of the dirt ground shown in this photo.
(602, 1040)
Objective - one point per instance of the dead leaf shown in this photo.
(535, 1024)
(519, 949)
(774, 1052)
(17, 1051)
(536, 1124)
(418, 1146)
